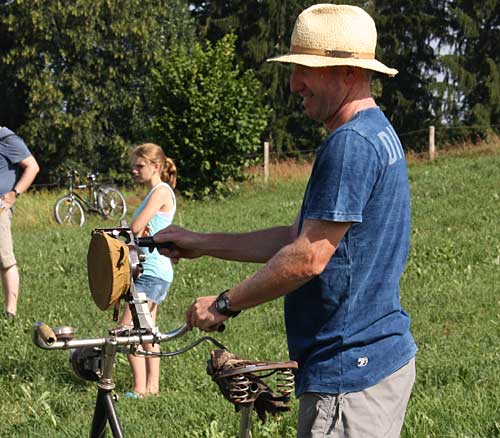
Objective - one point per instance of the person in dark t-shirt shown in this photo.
(14, 156)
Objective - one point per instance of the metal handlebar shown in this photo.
(73, 173)
(44, 337)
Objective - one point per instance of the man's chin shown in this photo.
(311, 114)
(308, 110)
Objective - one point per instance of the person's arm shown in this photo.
(30, 170)
(291, 267)
(255, 246)
(159, 199)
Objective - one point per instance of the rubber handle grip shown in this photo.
(46, 334)
(219, 328)
(151, 244)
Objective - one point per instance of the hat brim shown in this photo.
(326, 61)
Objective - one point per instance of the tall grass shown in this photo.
(450, 288)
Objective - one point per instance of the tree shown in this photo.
(77, 73)
(410, 34)
(209, 116)
(474, 63)
(446, 52)
(263, 30)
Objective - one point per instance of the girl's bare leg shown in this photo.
(153, 363)
(137, 363)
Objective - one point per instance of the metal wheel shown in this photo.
(68, 210)
(112, 204)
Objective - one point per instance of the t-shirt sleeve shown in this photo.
(346, 170)
(15, 149)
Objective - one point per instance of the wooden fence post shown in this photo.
(432, 144)
(266, 161)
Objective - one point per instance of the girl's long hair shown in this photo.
(155, 154)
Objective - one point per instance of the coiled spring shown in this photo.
(239, 388)
(243, 389)
(285, 381)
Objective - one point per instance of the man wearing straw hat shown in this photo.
(340, 263)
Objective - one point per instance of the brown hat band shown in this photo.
(298, 50)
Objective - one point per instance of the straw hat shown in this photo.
(326, 35)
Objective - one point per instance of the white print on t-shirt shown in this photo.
(392, 144)
(362, 362)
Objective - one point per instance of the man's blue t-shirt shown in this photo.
(13, 150)
(346, 327)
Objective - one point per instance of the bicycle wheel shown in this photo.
(69, 211)
(112, 204)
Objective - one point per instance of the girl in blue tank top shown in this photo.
(158, 173)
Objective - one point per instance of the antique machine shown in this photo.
(113, 264)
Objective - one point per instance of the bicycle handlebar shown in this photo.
(72, 173)
(44, 337)
(91, 176)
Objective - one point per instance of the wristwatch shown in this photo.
(18, 193)
(223, 307)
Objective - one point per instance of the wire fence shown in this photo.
(427, 139)
(276, 155)
(427, 150)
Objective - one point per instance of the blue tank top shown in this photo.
(157, 265)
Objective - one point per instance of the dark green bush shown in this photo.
(209, 116)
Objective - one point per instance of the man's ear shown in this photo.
(350, 71)
(352, 74)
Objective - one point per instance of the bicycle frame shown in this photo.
(90, 203)
(102, 199)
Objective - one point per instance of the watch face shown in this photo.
(221, 305)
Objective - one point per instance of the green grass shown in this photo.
(451, 289)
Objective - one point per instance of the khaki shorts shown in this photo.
(7, 258)
(375, 412)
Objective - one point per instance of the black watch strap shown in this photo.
(223, 306)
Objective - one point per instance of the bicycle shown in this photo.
(102, 199)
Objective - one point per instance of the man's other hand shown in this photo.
(9, 199)
(202, 314)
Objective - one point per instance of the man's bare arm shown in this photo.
(30, 169)
(292, 266)
(255, 246)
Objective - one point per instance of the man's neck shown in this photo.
(348, 111)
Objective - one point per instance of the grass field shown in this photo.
(451, 289)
